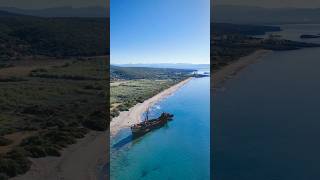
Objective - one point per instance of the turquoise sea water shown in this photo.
(267, 119)
(178, 151)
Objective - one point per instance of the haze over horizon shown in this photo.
(272, 3)
(44, 4)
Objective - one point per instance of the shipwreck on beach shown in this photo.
(149, 125)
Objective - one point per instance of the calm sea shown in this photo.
(267, 119)
(178, 151)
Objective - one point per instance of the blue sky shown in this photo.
(160, 31)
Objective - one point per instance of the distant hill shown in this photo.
(61, 11)
(8, 14)
(169, 65)
(55, 37)
(259, 15)
(129, 73)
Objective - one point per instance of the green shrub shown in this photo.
(79, 132)
(34, 140)
(114, 113)
(59, 137)
(122, 107)
(9, 167)
(36, 151)
(52, 151)
(15, 162)
(96, 121)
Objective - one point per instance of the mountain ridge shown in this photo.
(166, 65)
(261, 15)
(8, 14)
(64, 11)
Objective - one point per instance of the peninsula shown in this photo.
(235, 46)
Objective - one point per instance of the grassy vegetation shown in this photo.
(59, 110)
(14, 163)
(132, 85)
(126, 94)
(74, 70)
(131, 73)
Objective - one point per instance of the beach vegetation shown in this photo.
(132, 85)
(53, 78)
(57, 110)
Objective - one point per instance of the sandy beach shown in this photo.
(229, 71)
(93, 149)
(80, 161)
(133, 116)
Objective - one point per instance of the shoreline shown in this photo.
(94, 152)
(133, 116)
(231, 70)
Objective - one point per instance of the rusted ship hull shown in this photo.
(149, 125)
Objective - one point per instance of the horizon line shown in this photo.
(158, 63)
(53, 7)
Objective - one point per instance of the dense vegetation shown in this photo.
(22, 36)
(130, 73)
(54, 112)
(132, 85)
(53, 78)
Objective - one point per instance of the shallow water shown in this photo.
(267, 119)
(173, 151)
